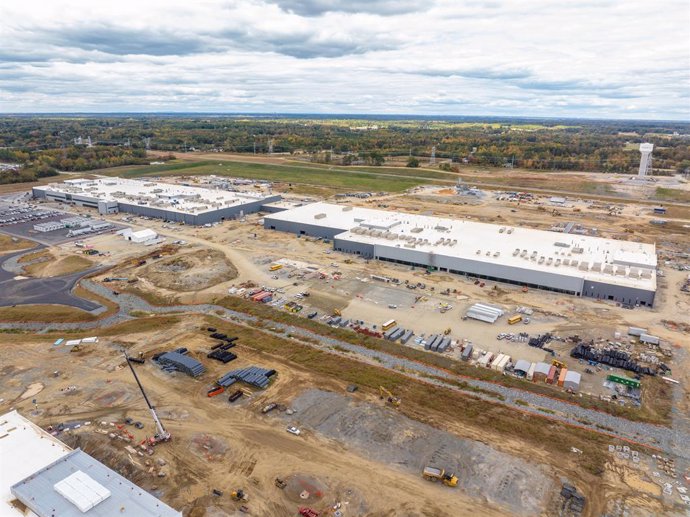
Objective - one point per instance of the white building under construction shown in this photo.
(178, 203)
(573, 264)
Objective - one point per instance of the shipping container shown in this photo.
(467, 353)
(275, 267)
(561, 376)
(551, 377)
(502, 365)
(496, 361)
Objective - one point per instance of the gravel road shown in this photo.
(671, 440)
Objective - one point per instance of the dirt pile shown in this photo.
(192, 271)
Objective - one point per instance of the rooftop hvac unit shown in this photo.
(497, 253)
(319, 216)
(541, 260)
(347, 209)
(561, 244)
(558, 262)
(584, 266)
(510, 230)
(579, 251)
(574, 263)
(516, 252)
(549, 261)
(479, 252)
(566, 262)
(416, 230)
(488, 253)
(501, 229)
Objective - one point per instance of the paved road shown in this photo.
(40, 291)
(671, 440)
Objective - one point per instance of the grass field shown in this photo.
(389, 179)
(9, 243)
(671, 194)
(655, 410)
(63, 266)
(429, 403)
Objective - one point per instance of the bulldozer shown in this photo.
(388, 396)
(447, 331)
(280, 483)
(239, 495)
(336, 312)
(558, 364)
(436, 474)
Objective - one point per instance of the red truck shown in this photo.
(308, 512)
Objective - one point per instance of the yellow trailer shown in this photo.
(514, 319)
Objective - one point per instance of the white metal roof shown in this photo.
(166, 196)
(97, 492)
(81, 490)
(626, 263)
(24, 449)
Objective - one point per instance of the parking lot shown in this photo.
(18, 220)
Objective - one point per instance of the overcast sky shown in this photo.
(590, 58)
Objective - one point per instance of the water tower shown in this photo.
(645, 159)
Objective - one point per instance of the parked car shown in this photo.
(293, 430)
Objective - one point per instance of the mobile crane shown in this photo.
(161, 434)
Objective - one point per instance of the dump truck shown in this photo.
(435, 474)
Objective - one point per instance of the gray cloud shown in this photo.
(472, 57)
(381, 7)
(111, 39)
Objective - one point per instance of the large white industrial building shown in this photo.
(574, 264)
(179, 203)
(40, 476)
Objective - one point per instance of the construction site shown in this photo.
(230, 368)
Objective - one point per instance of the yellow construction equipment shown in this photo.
(336, 312)
(388, 396)
(558, 364)
(447, 331)
(435, 474)
(239, 495)
(275, 267)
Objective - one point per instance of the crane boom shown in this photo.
(162, 435)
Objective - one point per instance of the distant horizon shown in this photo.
(326, 116)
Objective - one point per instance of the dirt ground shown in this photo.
(249, 249)
(215, 445)
(193, 271)
(345, 458)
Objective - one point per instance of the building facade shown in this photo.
(578, 265)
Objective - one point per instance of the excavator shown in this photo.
(239, 495)
(161, 434)
(388, 396)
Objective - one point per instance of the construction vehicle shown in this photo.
(275, 267)
(239, 495)
(337, 312)
(388, 396)
(514, 319)
(280, 483)
(435, 474)
(161, 434)
(558, 364)
(308, 512)
(447, 331)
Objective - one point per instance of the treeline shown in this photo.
(74, 158)
(25, 175)
(596, 146)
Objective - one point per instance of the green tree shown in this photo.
(412, 161)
